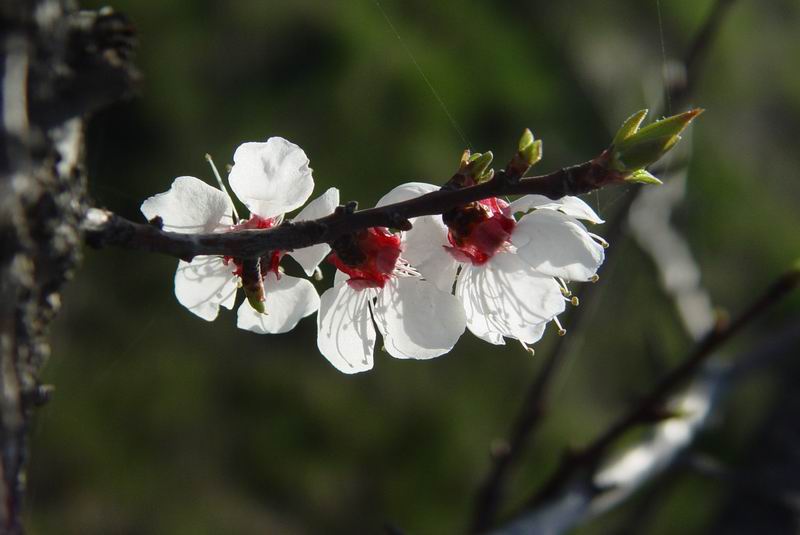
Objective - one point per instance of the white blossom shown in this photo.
(374, 283)
(270, 178)
(510, 275)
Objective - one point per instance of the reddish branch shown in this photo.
(120, 232)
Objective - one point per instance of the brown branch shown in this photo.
(106, 229)
(694, 60)
(651, 407)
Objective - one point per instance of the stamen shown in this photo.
(599, 239)
(507, 247)
(563, 284)
(575, 301)
(317, 274)
(281, 270)
(404, 269)
(528, 349)
(222, 186)
(561, 330)
(595, 278)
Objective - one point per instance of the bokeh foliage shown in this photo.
(162, 423)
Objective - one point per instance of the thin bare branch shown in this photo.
(489, 496)
(104, 229)
(652, 405)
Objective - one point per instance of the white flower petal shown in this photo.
(288, 300)
(340, 276)
(322, 206)
(405, 192)
(423, 244)
(345, 333)
(271, 178)
(477, 312)
(424, 248)
(506, 297)
(417, 320)
(205, 284)
(190, 206)
(310, 257)
(558, 245)
(572, 206)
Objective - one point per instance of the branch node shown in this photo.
(38, 396)
(399, 222)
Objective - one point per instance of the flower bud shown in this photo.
(478, 166)
(634, 148)
(529, 152)
(253, 284)
(256, 299)
(473, 169)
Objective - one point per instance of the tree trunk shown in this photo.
(57, 65)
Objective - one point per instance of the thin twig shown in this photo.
(529, 418)
(488, 498)
(650, 407)
(697, 52)
(105, 229)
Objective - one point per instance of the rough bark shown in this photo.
(57, 65)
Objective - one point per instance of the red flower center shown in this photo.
(369, 257)
(268, 263)
(479, 230)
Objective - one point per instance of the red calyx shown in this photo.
(268, 262)
(369, 257)
(479, 230)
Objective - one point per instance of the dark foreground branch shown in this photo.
(104, 229)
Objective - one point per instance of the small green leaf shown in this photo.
(479, 163)
(525, 140)
(668, 127)
(532, 153)
(635, 148)
(630, 126)
(643, 177)
(256, 302)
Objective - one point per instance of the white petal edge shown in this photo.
(507, 298)
(205, 284)
(190, 206)
(288, 300)
(310, 257)
(407, 191)
(417, 320)
(345, 332)
(572, 206)
(424, 248)
(423, 245)
(558, 245)
(271, 178)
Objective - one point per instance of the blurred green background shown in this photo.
(162, 423)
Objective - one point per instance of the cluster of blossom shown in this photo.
(477, 267)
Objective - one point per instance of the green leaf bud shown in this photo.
(634, 148)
